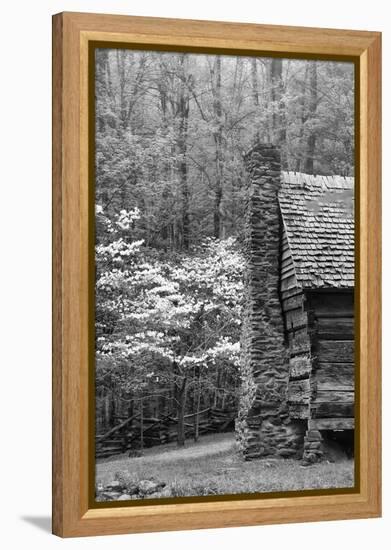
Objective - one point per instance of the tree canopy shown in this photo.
(171, 131)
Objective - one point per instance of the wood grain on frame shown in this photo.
(72, 32)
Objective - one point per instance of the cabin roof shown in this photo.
(318, 219)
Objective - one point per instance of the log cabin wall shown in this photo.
(297, 336)
(320, 328)
(331, 315)
(317, 286)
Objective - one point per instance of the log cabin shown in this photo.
(298, 326)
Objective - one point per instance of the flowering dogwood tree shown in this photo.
(166, 320)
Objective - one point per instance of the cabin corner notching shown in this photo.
(298, 326)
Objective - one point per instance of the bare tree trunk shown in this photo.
(218, 386)
(107, 410)
(141, 424)
(120, 57)
(185, 202)
(303, 119)
(102, 60)
(218, 139)
(254, 89)
(311, 141)
(197, 411)
(182, 392)
(278, 116)
(254, 81)
(183, 113)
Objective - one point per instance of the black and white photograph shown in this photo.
(225, 275)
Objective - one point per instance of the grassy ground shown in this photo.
(212, 466)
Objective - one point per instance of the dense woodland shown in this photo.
(171, 130)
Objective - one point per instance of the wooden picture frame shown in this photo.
(72, 269)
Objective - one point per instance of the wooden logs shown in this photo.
(337, 374)
(299, 391)
(332, 409)
(300, 367)
(336, 351)
(335, 328)
(335, 424)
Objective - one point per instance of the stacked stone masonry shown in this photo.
(265, 424)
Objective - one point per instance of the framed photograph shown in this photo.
(216, 274)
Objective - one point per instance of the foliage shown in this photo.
(161, 320)
(171, 130)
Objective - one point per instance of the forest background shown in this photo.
(171, 131)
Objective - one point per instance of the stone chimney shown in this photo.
(263, 425)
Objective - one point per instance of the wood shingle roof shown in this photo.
(318, 218)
